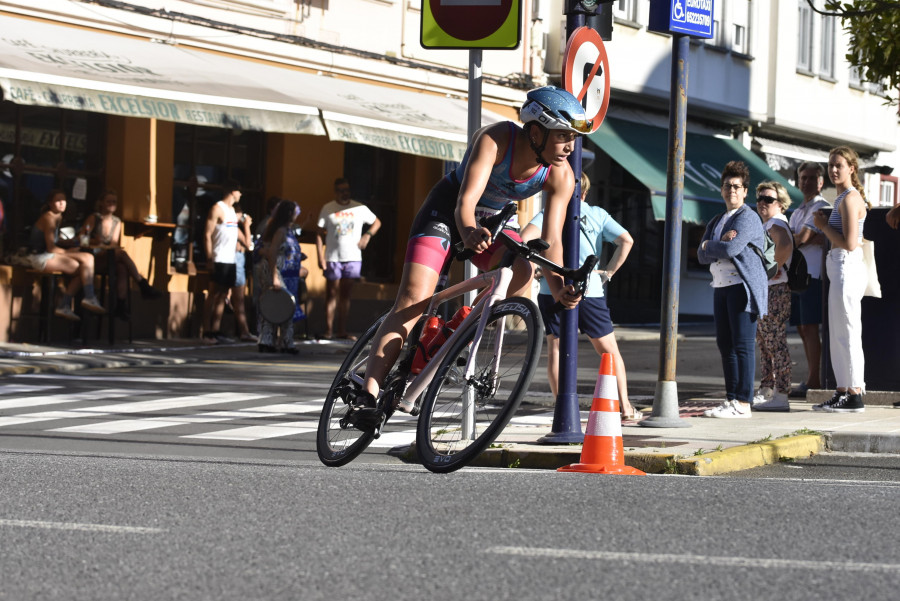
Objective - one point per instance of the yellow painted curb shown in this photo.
(752, 455)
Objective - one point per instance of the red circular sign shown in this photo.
(470, 19)
(586, 73)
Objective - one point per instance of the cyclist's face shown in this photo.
(560, 145)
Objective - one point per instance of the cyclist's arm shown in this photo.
(487, 150)
(560, 186)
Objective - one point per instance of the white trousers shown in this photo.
(848, 277)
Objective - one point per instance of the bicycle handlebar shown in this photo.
(531, 252)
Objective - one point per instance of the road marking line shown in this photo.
(250, 433)
(82, 527)
(743, 562)
(59, 399)
(17, 388)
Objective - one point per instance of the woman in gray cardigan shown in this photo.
(740, 290)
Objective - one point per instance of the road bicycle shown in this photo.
(470, 389)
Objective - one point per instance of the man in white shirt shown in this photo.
(806, 307)
(220, 239)
(339, 246)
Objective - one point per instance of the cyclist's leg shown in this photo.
(416, 287)
(427, 253)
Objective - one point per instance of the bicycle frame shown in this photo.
(499, 280)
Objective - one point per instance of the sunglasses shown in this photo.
(732, 186)
(766, 199)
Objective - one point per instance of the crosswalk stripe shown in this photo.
(135, 425)
(17, 388)
(260, 432)
(70, 397)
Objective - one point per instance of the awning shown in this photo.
(51, 65)
(643, 151)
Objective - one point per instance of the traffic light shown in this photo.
(597, 15)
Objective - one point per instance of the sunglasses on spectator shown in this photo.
(766, 199)
(732, 186)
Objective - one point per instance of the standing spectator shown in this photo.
(594, 320)
(740, 293)
(806, 307)
(848, 276)
(238, 298)
(47, 255)
(772, 200)
(220, 241)
(340, 231)
(280, 267)
(104, 229)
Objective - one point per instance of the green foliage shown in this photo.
(874, 44)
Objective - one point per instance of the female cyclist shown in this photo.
(504, 162)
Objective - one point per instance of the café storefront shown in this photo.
(164, 124)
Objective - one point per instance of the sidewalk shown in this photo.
(705, 447)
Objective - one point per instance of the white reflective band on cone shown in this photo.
(604, 423)
(606, 388)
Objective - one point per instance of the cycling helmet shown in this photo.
(555, 108)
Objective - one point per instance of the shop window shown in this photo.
(205, 157)
(42, 149)
(372, 173)
(888, 191)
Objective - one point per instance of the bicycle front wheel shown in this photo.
(462, 414)
(338, 441)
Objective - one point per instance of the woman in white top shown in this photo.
(847, 274)
(772, 200)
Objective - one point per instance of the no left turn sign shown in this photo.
(586, 73)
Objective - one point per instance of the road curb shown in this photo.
(855, 442)
(709, 464)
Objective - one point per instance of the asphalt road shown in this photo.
(142, 527)
(200, 481)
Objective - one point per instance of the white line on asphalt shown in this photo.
(17, 388)
(247, 382)
(59, 399)
(82, 527)
(741, 562)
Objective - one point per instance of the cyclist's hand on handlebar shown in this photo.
(568, 297)
(477, 239)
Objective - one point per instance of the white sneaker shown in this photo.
(729, 410)
(778, 402)
(762, 395)
(93, 305)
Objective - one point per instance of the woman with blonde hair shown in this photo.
(772, 200)
(847, 274)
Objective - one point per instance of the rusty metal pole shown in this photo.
(665, 401)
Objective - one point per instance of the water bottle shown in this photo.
(438, 341)
(433, 327)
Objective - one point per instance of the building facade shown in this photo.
(165, 101)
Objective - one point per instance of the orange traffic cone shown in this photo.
(603, 452)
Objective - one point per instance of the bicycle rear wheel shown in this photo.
(339, 441)
(461, 416)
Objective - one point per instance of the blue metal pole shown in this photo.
(665, 402)
(566, 426)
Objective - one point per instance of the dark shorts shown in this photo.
(224, 274)
(433, 233)
(593, 316)
(806, 307)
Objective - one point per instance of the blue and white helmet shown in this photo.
(555, 108)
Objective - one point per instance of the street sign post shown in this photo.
(586, 73)
(482, 24)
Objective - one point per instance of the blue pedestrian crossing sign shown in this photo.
(690, 17)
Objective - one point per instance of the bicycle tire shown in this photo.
(440, 440)
(337, 445)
